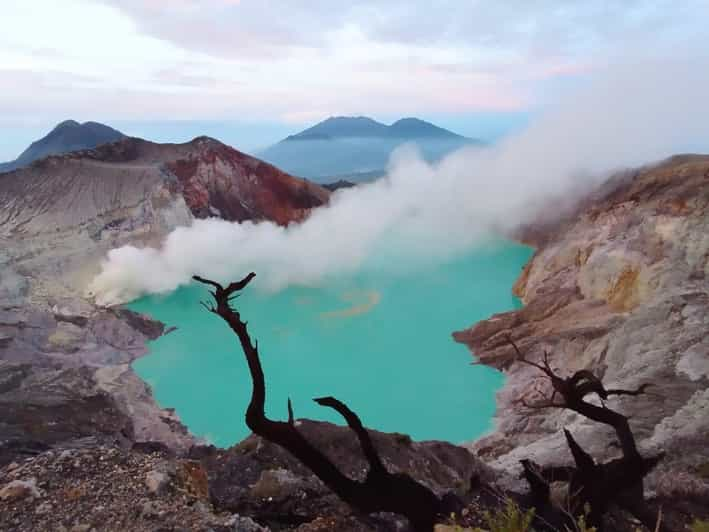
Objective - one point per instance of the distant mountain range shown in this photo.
(338, 127)
(66, 137)
(353, 149)
(358, 148)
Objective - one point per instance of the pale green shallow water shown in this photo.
(381, 344)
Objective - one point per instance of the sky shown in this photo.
(253, 71)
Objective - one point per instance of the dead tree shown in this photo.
(592, 485)
(380, 491)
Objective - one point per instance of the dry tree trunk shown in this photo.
(594, 485)
(380, 491)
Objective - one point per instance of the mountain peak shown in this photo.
(341, 119)
(410, 120)
(66, 124)
(66, 136)
(358, 148)
(409, 128)
(205, 140)
(412, 127)
(341, 127)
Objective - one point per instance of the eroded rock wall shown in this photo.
(621, 288)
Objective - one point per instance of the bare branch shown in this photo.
(355, 424)
(584, 461)
(381, 491)
(210, 308)
(521, 358)
(638, 391)
(541, 405)
(597, 485)
(209, 282)
(240, 285)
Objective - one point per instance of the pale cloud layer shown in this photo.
(298, 62)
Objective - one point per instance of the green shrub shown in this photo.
(703, 470)
(581, 525)
(511, 518)
(700, 526)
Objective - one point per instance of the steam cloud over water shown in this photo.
(627, 117)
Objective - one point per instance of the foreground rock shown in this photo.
(253, 486)
(621, 288)
(78, 389)
(103, 488)
(261, 479)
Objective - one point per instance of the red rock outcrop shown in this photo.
(132, 181)
(217, 180)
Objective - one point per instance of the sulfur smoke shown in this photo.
(628, 116)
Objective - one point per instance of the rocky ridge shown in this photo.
(619, 287)
(60, 216)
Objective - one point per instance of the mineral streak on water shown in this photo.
(380, 343)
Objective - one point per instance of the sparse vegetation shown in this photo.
(699, 526)
(510, 518)
(582, 526)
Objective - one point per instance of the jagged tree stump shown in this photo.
(594, 487)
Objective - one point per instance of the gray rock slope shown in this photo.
(620, 288)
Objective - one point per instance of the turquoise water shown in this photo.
(380, 343)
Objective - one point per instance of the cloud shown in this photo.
(191, 92)
(529, 29)
(281, 60)
(244, 29)
(631, 114)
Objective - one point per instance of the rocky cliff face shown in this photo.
(65, 370)
(622, 288)
(220, 181)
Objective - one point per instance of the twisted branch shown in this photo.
(381, 491)
(599, 485)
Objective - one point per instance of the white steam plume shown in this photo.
(629, 116)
